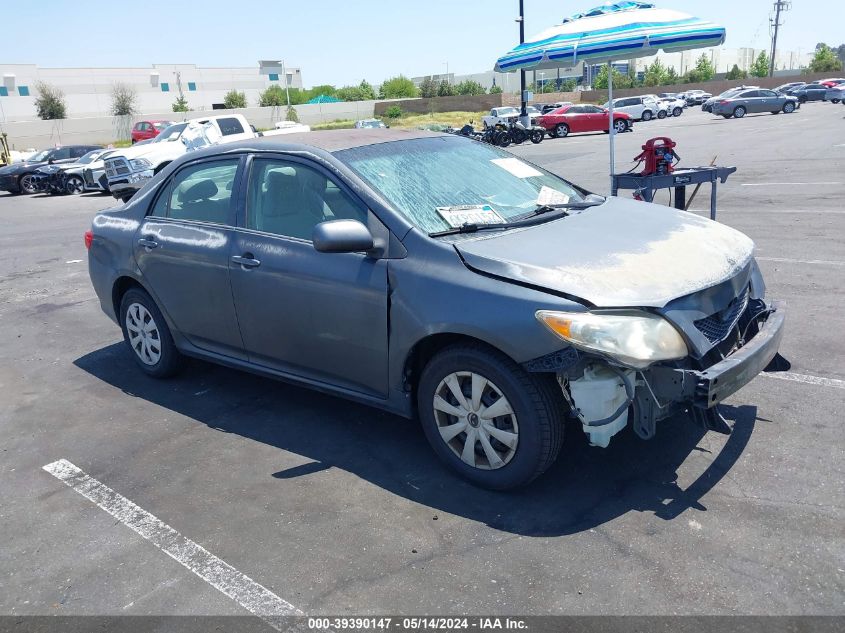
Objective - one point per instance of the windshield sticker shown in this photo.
(551, 196)
(457, 216)
(516, 167)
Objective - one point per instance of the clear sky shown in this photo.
(344, 41)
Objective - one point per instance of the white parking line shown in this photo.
(810, 380)
(252, 596)
(786, 260)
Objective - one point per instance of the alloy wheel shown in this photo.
(620, 126)
(475, 420)
(28, 184)
(74, 185)
(144, 337)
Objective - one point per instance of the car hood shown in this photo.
(623, 253)
(16, 168)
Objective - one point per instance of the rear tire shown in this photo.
(661, 114)
(677, 111)
(739, 112)
(561, 130)
(146, 334)
(527, 424)
(647, 116)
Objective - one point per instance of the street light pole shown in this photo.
(285, 75)
(523, 113)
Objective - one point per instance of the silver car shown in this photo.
(752, 101)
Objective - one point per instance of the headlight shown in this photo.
(635, 339)
(140, 163)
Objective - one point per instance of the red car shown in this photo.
(830, 83)
(144, 130)
(572, 119)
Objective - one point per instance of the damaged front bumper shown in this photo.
(598, 392)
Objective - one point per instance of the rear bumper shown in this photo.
(708, 387)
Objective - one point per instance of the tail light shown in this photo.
(724, 102)
(89, 238)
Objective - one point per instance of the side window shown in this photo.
(229, 126)
(79, 152)
(61, 153)
(767, 93)
(200, 192)
(750, 94)
(290, 199)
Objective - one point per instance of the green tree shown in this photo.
(323, 89)
(496, 90)
(399, 87)
(428, 88)
(291, 115)
(736, 73)
(180, 105)
(275, 96)
(445, 89)
(760, 67)
(671, 76)
(234, 99)
(469, 87)
(703, 70)
(361, 92)
(368, 93)
(655, 74)
(124, 100)
(50, 102)
(619, 80)
(824, 60)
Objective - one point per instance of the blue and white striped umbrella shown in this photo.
(621, 31)
(624, 30)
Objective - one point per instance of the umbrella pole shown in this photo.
(610, 130)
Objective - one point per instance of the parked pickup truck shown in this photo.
(507, 115)
(128, 170)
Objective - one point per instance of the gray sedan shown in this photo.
(753, 101)
(438, 278)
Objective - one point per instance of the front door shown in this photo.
(182, 249)
(321, 316)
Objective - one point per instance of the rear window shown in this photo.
(230, 126)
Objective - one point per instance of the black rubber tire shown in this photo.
(727, 116)
(561, 130)
(171, 360)
(70, 189)
(620, 129)
(26, 185)
(503, 139)
(537, 136)
(788, 107)
(519, 136)
(739, 112)
(536, 400)
(647, 116)
(834, 100)
(661, 114)
(677, 111)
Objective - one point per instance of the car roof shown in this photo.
(326, 140)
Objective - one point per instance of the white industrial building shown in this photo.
(88, 90)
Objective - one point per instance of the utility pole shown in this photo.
(523, 113)
(780, 5)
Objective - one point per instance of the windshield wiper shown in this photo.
(540, 209)
(472, 228)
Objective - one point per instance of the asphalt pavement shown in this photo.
(335, 508)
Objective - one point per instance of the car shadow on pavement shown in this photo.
(585, 488)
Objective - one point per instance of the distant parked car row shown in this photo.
(24, 177)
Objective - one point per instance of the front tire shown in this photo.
(647, 115)
(537, 136)
(661, 114)
(620, 126)
(74, 185)
(739, 112)
(146, 334)
(487, 418)
(677, 111)
(788, 108)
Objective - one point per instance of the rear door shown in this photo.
(182, 249)
(321, 316)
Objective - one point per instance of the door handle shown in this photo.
(247, 261)
(147, 243)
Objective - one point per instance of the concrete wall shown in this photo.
(460, 103)
(713, 87)
(88, 90)
(105, 130)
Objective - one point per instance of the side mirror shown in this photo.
(51, 161)
(342, 236)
